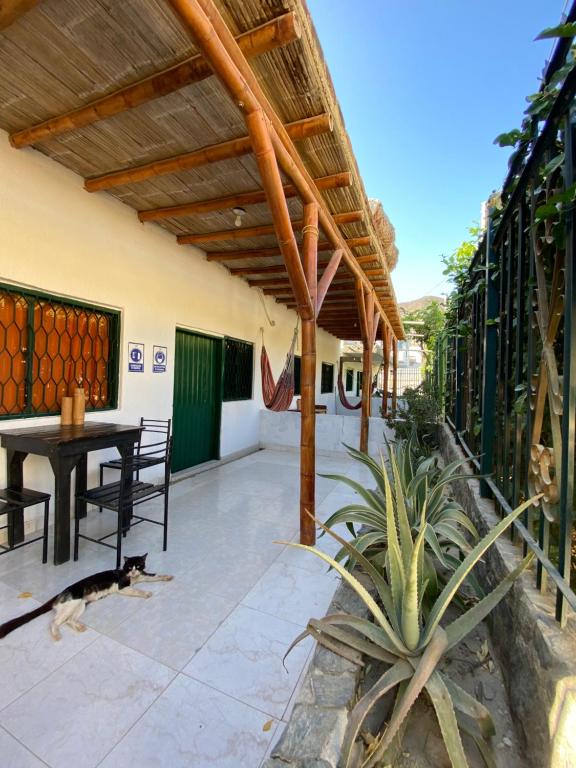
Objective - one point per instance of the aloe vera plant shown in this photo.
(417, 483)
(403, 637)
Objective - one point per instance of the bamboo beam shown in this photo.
(367, 259)
(282, 291)
(267, 37)
(207, 26)
(308, 382)
(266, 253)
(258, 253)
(272, 183)
(12, 10)
(301, 129)
(242, 200)
(328, 277)
(348, 217)
(283, 282)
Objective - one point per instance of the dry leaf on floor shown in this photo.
(267, 725)
(25, 594)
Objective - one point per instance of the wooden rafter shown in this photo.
(266, 253)
(267, 37)
(298, 130)
(242, 200)
(348, 217)
(12, 10)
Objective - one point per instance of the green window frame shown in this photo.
(327, 379)
(49, 344)
(238, 373)
(297, 372)
(349, 379)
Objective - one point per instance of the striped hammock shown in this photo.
(278, 396)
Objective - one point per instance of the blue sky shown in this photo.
(424, 87)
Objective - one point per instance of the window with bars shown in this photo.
(238, 369)
(327, 379)
(349, 379)
(297, 370)
(48, 345)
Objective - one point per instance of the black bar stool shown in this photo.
(16, 501)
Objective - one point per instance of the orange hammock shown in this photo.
(342, 392)
(278, 396)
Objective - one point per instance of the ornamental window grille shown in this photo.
(327, 379)
(238, 369)
(48, 346)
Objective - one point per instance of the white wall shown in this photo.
(56, 237)
(333, 433)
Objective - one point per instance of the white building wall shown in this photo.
(56, 237)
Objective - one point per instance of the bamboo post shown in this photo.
(386, 356)
(395, 376)
(308, 382)
(367, 373)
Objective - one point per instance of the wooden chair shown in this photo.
(122, 496)
(15, 501)
(154, 426)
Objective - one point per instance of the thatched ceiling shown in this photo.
(64, 54)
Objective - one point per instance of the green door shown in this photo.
(197, 399)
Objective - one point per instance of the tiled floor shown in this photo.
(193, 677)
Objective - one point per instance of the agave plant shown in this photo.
(417, 483)
(411, 642)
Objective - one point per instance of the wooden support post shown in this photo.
(386, 358)
(367, 343)
(395, 376)
(308, 382)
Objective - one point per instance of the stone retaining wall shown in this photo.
(538, 658)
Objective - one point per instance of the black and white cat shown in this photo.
(70, 604)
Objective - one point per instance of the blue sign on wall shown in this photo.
(135, 357)
(159, 359)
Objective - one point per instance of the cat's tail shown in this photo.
(10, 626)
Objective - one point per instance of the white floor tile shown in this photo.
(194, 726)
(76, 716)
(243, 658)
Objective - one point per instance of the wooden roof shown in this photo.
(184, 145)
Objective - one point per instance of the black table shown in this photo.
(66, 448)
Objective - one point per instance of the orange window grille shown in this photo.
(48, 347)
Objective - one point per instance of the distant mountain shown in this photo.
(411, 306)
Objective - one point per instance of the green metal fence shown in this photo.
(508, 370)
